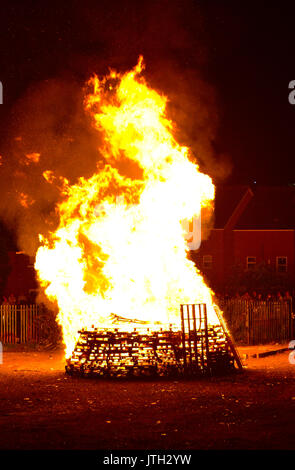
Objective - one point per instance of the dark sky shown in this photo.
(243, 50)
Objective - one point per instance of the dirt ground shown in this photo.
(42, 408)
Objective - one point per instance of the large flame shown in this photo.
(120, 247)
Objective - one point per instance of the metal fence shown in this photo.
(19, 323)
(259, 322)
(249, 321)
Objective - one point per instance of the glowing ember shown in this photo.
(25, 200)
(120, 247)
(32, 158)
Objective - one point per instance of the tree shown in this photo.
(261, 278)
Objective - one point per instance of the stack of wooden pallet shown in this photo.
(113, 352)
(121, 353)
(221, 357)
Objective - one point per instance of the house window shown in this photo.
(251, 262)
(207, 261)
(281, 264)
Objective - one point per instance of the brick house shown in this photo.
(252, 225)
(21, 283)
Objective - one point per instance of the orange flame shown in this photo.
(25, 200)
(32, 158)
(120, 246)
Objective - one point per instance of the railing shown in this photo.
(19, 323)
(249, 321)
(259, 322)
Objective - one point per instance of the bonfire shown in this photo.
(119, 257)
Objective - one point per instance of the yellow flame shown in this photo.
(120, 246)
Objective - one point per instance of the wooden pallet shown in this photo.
(197, 349)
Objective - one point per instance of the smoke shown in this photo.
(48, 129)
(193, 108)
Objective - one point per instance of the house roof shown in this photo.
(266, 208)
(227, 198)
(272, 207)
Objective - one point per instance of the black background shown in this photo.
(244, 50)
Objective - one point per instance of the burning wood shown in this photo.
(195, 350)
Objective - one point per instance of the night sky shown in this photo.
(240, 53)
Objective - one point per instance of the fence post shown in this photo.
(291, 319)
(18, 325)
(248, 321)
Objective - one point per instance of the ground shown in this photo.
(42, 408)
